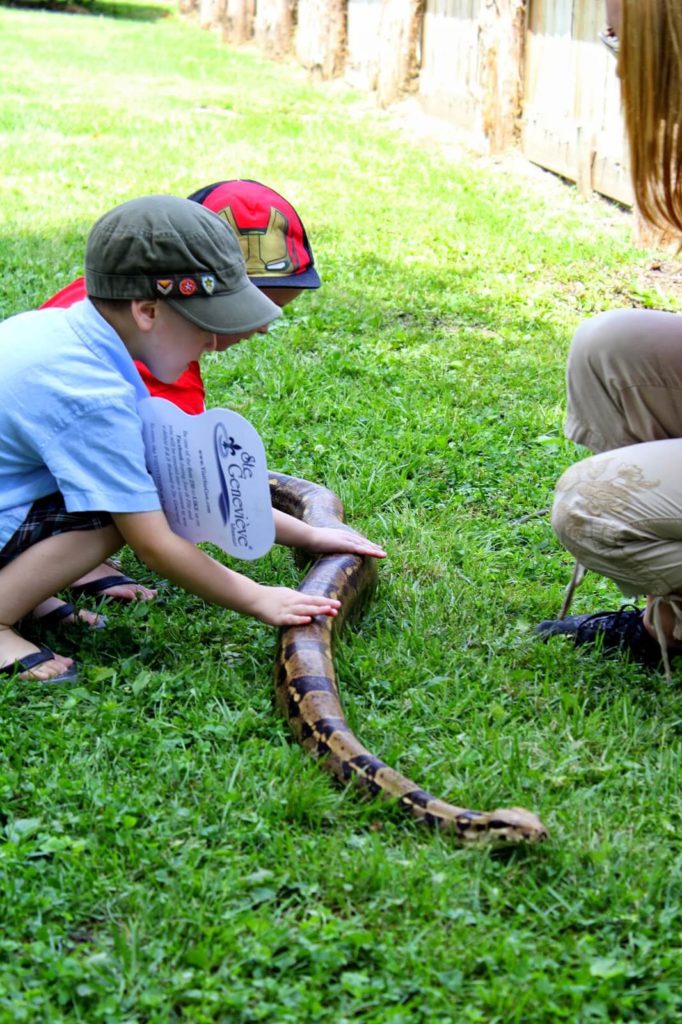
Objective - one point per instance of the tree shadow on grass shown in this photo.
(102, 8)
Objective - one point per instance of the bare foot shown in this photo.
(127, 590)
(13, 648)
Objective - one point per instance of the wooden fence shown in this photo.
(571, 120)
(510, 72)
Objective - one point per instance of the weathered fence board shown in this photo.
(572, 123)
(320, 39)
(237, 22)
(363, 23)
(398, 57)
(448, 83)
(273, 27)
(211, 12)
(472, 55)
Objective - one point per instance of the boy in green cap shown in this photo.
(166, 282)
(280, 262)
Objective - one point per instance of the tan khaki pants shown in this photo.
(620, 511)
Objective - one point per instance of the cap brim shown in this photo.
(246, 309)
(307, 279)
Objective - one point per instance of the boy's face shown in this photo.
(280, 296)
(174, 342)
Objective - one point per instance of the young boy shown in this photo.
(279, 260)
(166, 282)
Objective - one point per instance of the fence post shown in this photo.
(321, 38)
(238, 20)
(400, 31)
(210, 12)
(273, 26)
(501, 45)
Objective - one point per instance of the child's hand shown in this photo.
(324, 540)
(280, 606)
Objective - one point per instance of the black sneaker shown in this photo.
(621, 631)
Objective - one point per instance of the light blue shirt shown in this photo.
(68, 417)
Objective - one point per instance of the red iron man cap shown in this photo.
(270, 232)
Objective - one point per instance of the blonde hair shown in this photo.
(650, 69)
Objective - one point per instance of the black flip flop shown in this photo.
(95, 587)
(31, 661)
(52, 619)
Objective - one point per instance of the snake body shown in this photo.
(308, 696)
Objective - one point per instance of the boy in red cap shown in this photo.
(279, 261)
(166, 282)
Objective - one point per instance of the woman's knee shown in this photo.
(591, 510)
(598, 342)
(567, 524)
(618, 341)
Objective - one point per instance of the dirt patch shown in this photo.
(664, 277)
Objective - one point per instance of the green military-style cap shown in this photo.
(164, 247)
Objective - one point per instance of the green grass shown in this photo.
(166, 852)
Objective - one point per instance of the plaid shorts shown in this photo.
(46, 518)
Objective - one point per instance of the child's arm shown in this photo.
(321, 539)
(179, 561)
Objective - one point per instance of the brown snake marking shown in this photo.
(308, 695)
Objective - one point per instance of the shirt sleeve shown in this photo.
(98, 461)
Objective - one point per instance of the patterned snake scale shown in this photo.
(308, 696)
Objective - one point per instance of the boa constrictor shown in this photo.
(308, 695)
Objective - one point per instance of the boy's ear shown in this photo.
(145, 312)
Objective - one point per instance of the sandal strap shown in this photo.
(95, 587)
(28, 662)
(57, 614)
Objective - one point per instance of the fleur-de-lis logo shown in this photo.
(224, 445)
(228, 444)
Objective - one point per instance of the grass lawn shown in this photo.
(166, 852)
